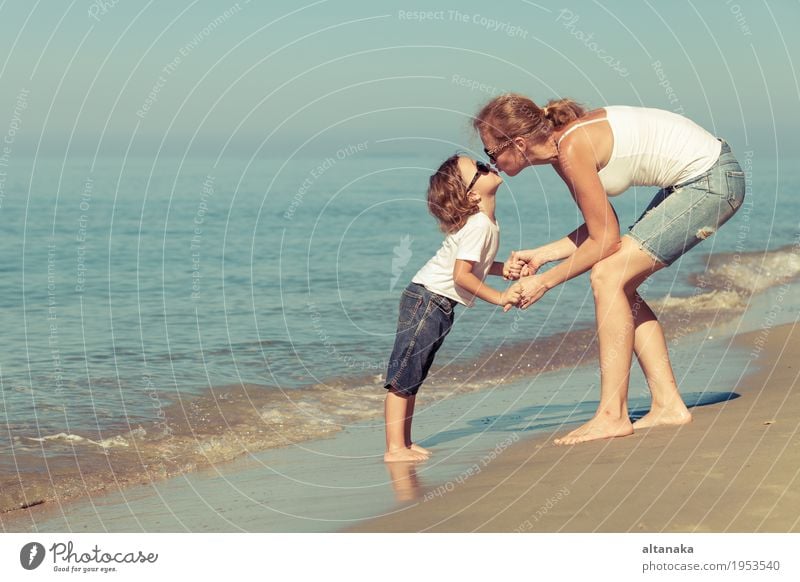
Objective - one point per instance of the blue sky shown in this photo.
(275, 78)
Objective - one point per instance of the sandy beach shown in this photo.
(734, 469)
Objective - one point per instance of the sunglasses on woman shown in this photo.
(482, 169)
(492, 153)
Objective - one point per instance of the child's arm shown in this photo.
(466, 279)
(497, 269)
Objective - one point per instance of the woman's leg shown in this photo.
(614, 282)
(650, 348)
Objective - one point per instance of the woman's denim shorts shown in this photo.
(424, 321)
(683, 215)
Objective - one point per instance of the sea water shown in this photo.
(163, 314)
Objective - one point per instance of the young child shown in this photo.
(461, 196)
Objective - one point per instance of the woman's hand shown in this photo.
(531, 260)
(512, 267)
(522, 264)
(533, 289)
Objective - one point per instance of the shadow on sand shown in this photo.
(541, 418)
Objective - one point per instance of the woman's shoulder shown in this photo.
(591, 120)
(593, 114)
(589, 117)
(610, 110)
(592, 144)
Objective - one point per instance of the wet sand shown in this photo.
(736, 468)
(229, 422)
(728, 471)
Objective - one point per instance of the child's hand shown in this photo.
(513, 267)
(511, 297)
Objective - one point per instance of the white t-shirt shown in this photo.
(478, 240)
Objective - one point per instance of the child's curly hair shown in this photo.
(448, 199)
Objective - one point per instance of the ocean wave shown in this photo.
(713, 301)
(108, 443)
(751, 272)
(226, 422)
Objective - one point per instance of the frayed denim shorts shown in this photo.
(684, 215)
(424, 320)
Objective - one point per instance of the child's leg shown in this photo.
(407, 428)
(397, 414)
(404, 480)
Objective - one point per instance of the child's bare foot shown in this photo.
(419, 449)
(403, 455)
(673, 416)
(597, 428)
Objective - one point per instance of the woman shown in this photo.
(598, 154)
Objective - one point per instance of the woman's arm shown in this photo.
(554, 251)
(578, 168)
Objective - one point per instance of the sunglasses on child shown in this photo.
(483, 169)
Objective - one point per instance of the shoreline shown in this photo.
(733, 469)
(231, 421)
(329, 484)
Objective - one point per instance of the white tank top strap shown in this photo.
(581, 124)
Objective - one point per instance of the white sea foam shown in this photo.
(712, 301)
(116, 441)
(752, 272)
(107, 443)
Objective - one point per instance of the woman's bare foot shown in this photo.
(597, 428)
(419, 449)
(403, 455)
(658, 416)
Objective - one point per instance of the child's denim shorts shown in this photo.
(683, 215)
(424, 321)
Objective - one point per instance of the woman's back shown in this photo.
(653, 147)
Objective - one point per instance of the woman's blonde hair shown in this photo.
(448, 199)
(513, 115)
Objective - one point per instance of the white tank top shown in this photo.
(653, 147)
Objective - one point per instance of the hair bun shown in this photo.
(512, 114)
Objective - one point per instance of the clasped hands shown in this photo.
(521, 266)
